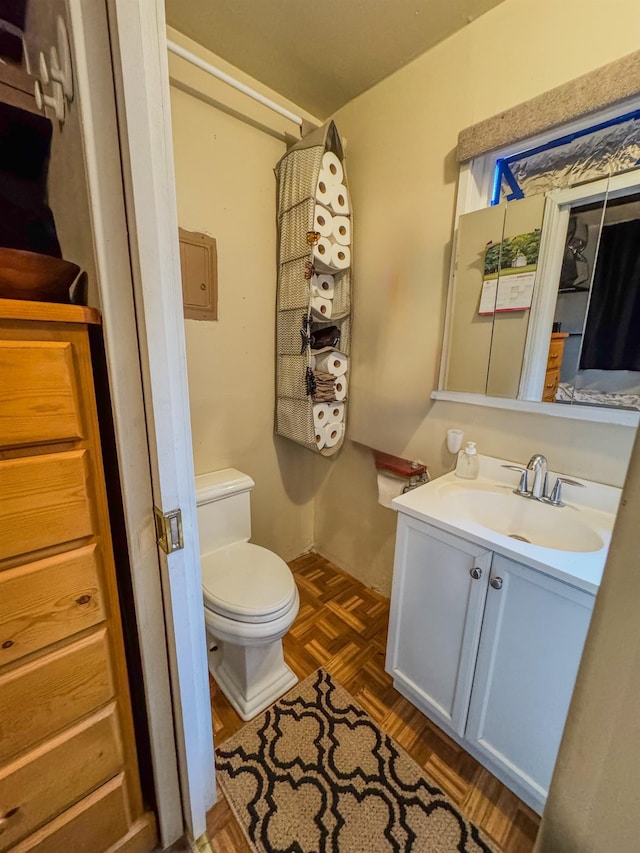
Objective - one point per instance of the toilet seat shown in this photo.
(247, 583)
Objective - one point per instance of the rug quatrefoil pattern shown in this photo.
(314, 774)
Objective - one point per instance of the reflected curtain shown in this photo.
(612, 334)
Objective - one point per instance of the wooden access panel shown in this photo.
(199, 265)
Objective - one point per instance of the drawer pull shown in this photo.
(84, 599)
(11, 812)
(7, 644)
(553, 355)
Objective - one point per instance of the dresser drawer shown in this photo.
(40, 785)
(556, 349)
(43, 502)
(46, 695)
(551, 382)
(47, 601)
(91, 826)
(38, 402)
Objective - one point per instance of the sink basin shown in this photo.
(522, 519)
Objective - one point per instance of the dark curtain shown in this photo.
(612, 335)
(26, 221)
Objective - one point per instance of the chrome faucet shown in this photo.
(538, 464)
(539, 490)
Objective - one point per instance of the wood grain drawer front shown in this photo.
(38, 403)
(91, 826)
(551, 382)
(43, 502)
(47, 601)
(40, 785)
(46, 695)
(554, 358)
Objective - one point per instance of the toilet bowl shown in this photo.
(250, 597)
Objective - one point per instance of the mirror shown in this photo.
(545, 298)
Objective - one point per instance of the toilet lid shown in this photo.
(247, 583)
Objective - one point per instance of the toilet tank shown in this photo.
(224, 509)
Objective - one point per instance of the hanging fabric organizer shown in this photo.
(313, 326)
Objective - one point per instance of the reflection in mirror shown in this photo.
(577, 344)
(600, 310)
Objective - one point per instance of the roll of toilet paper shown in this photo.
(333, 362)
(332, 434)
(339, 201)
(389, 487)
(340, 257)
(332, 166)
(322, 254)
(320, 437)
(321, 414)
(325, 188)
(324, 284)
(322, 221)
(341, 230)
(340, 388)
(336, 413)
(321, 307)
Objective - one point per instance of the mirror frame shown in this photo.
(556, 215)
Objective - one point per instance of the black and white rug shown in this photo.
(314, 774)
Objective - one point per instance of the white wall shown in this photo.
(226, 188)
(402, 136)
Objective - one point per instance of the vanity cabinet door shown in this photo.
(532, 639)
(437, 599)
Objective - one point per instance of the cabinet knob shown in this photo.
(496, 583)
(84, 599)
(7, 644)
(475, 573)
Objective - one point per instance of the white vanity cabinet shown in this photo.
(438, 595)
(488, 648)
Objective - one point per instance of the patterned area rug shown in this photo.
(314, 774)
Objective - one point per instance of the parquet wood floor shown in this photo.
(342, 626)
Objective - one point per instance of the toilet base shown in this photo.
(251, 677)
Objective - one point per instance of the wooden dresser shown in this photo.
(69, 780)
(554, 363)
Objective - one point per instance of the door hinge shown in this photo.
(169, 530)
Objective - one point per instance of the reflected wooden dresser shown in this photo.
(554, 363)
(69, 777)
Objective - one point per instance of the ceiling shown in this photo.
(321, 55)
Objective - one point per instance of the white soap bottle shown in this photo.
(468, 465)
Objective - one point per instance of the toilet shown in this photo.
(250, 597)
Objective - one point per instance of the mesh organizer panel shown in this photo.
(297, 175)
(290, 328)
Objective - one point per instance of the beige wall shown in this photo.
(67, 183)
(226, 188)
(593, 799)
(401, 137)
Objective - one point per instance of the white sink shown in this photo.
(569, 542)
(523, 519)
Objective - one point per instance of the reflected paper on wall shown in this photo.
(509, 274)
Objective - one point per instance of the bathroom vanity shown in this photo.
(486, 631)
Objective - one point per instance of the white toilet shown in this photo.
(250, 597)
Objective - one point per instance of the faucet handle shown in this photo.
(555, 497)
(522, 485)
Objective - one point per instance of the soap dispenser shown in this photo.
(468, 465)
